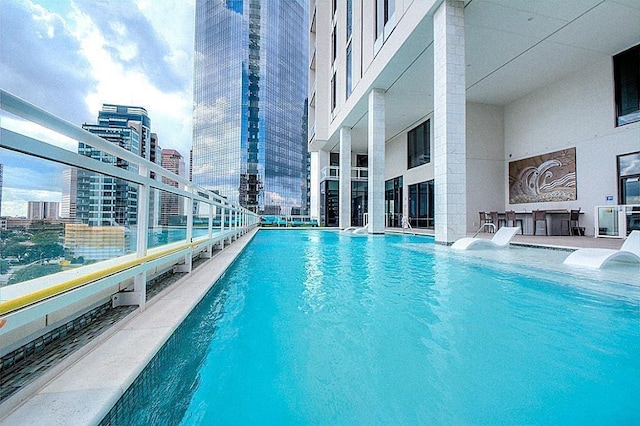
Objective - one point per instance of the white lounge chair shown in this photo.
(598, 257)
(501, 238)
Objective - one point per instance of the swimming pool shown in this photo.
(317, 327)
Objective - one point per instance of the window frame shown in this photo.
(415, 157)
(629, 58)
(623, 178)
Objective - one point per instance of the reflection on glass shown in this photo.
(249, 99)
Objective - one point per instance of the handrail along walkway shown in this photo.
(234, 222)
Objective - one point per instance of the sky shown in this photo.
(71, 56)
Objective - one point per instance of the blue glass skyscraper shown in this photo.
(249, 99)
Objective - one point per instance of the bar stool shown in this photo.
(511, 217)
(573, 223)
(539, 216)
(485, 219)
(495, 219)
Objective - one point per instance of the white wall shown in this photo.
(396, 164)
(579, 112)
(485, 161)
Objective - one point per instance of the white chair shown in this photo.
(598, 257)
(502, 238)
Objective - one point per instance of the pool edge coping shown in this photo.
(57, 396)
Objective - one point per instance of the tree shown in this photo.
(33, 271)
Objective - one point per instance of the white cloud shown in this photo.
(113, 51)
(170, 111)
(38, 132)
(15, 200)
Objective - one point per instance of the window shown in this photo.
(384, 11)
(333, 92)
(334, 158)
(349, 69)
(349, 18)
(626, 70)
(334, 46)
(421, 211)
(362, 160)
(629, 178)
(393, 201)
(419, 145)
(359, 201)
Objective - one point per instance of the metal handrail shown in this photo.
(242, 218)
(55, 290)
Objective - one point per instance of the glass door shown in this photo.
(608, 224)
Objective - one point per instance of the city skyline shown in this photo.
(115, 51)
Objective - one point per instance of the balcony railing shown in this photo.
(333, 173)
(54, 269)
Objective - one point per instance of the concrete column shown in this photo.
(376, 161)
(345, 177)
(449, 122)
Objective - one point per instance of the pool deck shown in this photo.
(555, 242)
(84, 387)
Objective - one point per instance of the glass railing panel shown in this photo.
(167, 218)
(201, 211)
(57, 218)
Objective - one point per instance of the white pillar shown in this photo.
(449, 121)
(376, 162)
(140, 280)
(345, 177)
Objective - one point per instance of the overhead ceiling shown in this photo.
(513, 47)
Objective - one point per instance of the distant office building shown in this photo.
(69, 193)
(172, 204)
(41, 210)
(137, 117)
(104, 200)
(95, 242)
(249, 96)
(1, 172)
(132, 116)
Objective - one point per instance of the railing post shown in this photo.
(210, 230)
(222, 215)
(139, 294)
(187, 265)
(235, 223)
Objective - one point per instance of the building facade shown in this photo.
(249, 100)
(464, 107)
(1, 173)
(69, 193)
(172, 204)
(105, 200)
(41, 210)
(132, 116)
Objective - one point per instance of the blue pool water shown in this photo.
(317, 327)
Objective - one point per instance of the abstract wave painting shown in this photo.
(543, 178)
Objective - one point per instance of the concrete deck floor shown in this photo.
(558, 242)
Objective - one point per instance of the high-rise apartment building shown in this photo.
(69, 193)
(105, 200)
(1, 172)
(132, 116)
(40, 210)
(172, 204)
(445, 109)
(249, 94)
